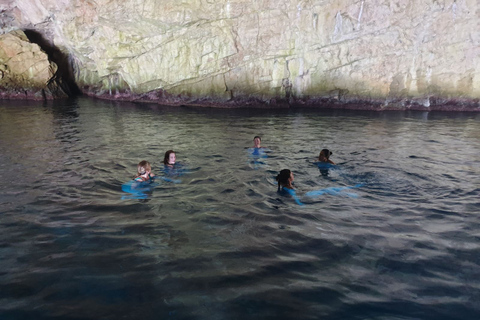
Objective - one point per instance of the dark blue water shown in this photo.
(221, 243)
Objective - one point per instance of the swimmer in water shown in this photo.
(257, 141)
(285, 184)
(170, 158)
(172, 168)
(285, 180)
(324, 156)
(144, 172)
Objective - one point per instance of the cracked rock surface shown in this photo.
(25, 71)
(389, 53)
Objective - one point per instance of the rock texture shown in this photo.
(387, 53)
(25, 71)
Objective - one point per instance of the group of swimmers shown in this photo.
(284, 178)
(144, 168)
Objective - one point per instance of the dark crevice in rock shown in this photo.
(64, 78)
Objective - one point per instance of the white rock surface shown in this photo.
(391, 52)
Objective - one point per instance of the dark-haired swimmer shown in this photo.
(171, 168)
(144, 172)
(170, 158)
(324, 156)
(257, 154)
(285, 184)
(257, 141)
(285, 179)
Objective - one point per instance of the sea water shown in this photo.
(400, 239)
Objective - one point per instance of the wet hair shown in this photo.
(142, 168)
(283, 177)
(167, 155)
(257, 137)
(327, 153)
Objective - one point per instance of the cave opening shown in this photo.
(64, 76)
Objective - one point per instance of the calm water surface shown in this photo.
(222, 243)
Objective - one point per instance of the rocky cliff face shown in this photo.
(25, 70)
(392, 53)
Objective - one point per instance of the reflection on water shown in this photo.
(390, 232)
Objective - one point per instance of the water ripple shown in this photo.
(221, 243)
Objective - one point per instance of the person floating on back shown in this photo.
(324, 156)
(144, 172)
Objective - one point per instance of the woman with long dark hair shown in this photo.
(285, 179)
(170, 158)
(285, 184)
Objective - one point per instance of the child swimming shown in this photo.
(144, 172)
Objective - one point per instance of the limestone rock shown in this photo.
(25, 71)
(390, 53)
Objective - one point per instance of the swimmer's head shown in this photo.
(143, 168)
(256, 141)
(324, 155)
(169, 158)
(284, 178)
